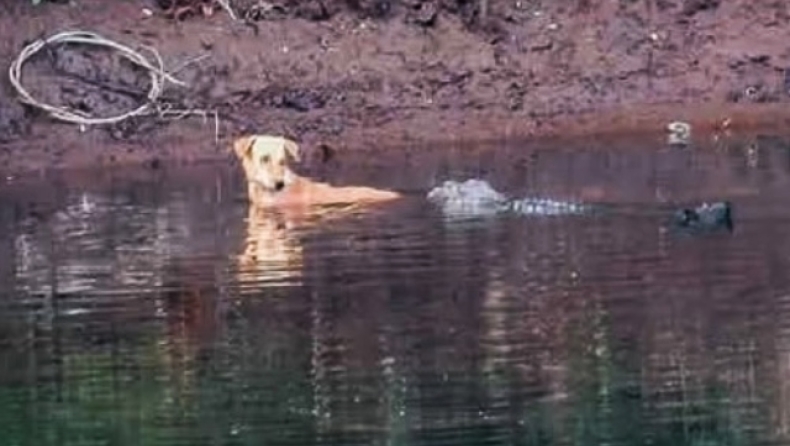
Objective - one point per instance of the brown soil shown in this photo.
(363, 74)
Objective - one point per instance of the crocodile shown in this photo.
(477, 198)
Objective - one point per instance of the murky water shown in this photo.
(151, 308)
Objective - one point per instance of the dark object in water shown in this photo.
(706, 217)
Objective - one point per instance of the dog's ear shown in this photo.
(293, 149)
(243, 146)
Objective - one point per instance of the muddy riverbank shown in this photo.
(369, 74)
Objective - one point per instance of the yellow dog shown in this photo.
(283, 202)
(271, 182)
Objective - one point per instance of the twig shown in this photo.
(483, 11)
(153, 105)
(188, 62)
(178, 113)
(228, 8)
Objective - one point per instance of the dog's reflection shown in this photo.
(273, 250)
(274, 245)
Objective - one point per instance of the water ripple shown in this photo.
(185, 317)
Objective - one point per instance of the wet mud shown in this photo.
(340, 76)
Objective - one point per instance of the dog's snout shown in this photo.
(279, 185)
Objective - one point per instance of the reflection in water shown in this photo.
(272, 250)
(177, 315)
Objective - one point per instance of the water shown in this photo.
(149, 308)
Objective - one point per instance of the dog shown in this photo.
(271, 182)
(282, 202)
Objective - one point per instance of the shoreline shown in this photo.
(190, 142)
(361, 84)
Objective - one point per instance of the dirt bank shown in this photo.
(372, 73)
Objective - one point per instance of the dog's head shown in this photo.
(265, 160)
